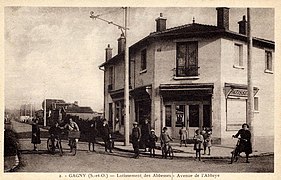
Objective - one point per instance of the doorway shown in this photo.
(191, 114)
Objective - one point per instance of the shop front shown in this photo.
(186, 105)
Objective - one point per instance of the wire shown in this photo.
(110, 12)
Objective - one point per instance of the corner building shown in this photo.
(193, 75)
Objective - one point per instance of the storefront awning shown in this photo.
(200, 89)
(141, 93)
(117, 94)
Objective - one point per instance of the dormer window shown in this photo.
(187, 59)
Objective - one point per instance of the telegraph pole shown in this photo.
(250, 114)
(126, 72)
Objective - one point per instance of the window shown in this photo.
(194, 116)
(111, 78)
(143, 60)
(238, 55)
(180, 113)
(187, 59)
(168, 116)
(268, 60)
(256, 104)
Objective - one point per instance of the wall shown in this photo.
(209, 72)
(263, 119)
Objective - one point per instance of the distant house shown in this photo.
(58, 110)
(84, 113)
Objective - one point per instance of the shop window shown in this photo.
(168, 116)
(268, 60)
(194, 116)
(187, 59)
(143, 60)
(180, 114)
(238, 55)
(207, 116)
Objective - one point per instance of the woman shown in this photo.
(245, 141)
(35, 139)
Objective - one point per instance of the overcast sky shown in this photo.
(55, 52)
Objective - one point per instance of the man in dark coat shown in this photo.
(35, 139)
(245, 141)
(136, 135)
(105, 134)
(91, 136)
(145, 134)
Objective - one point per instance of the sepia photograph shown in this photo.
(132, 92)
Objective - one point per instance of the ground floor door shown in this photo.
(143, 110)
(189, 114)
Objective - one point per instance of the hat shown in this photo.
(152, 130)
(135, 123)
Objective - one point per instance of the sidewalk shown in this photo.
(217, 151)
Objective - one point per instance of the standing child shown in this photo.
(152, 142)
(207, 141)
(35, 135)
(92, 132)
(198, 140)
(183, 135)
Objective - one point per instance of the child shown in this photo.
(152, 142)
(207, 141)
(165, 139)
(183, 135)
(198, 139)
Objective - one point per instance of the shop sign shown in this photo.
(235, 92)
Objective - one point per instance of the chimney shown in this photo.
(223, 17)
(160, 23)
(108, 53)
(243, 26)
(121, 43)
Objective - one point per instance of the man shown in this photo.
(71, 126)
(136, 135)
(105, 134)
(145, 133)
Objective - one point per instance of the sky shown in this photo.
(54, 52)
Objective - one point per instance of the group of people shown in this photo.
(146, 137)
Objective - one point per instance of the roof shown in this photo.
(201, 31)
(77, 109)
(114, 59)
(195, 30)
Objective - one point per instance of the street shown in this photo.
(119, 161)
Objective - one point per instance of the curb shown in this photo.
(189, 157)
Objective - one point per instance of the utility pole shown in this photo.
(250, 114)
(126, 73)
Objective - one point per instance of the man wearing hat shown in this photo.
(136, 135)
